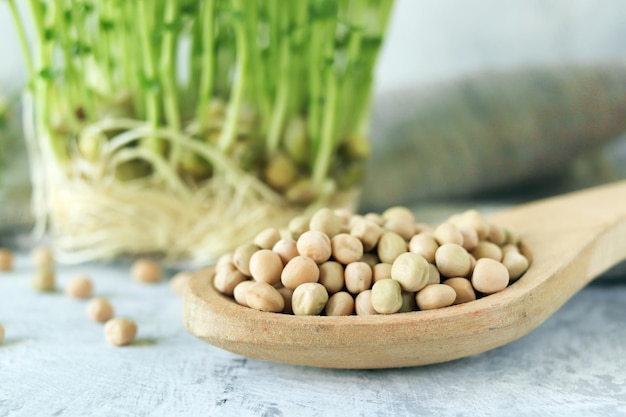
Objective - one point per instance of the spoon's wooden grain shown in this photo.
(573, 238)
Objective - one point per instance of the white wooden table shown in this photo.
(55, 362)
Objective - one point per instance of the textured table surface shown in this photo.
(55, 362)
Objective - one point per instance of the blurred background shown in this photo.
(429, 43)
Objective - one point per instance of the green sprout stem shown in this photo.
(271, 62)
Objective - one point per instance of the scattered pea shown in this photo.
(179, 281)
(386, 296)
(309, 299)
(1, 333)
(6, 260)
(146, 271)
(79, 287)
(42, 257)
(120, 331)
(99, 310)
(44, 280)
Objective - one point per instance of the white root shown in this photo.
(93, 215)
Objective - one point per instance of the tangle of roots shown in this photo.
(92, 215)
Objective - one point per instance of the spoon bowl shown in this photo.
(573, 238)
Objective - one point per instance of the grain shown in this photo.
(340, 304)
(266, 266)
(346, 248)
(286, 248)
(358, 277)
(146, 271)
(99, 310)
(242, 255)
(411, 271)
(227, 278)
(180, 281)
(315, 245)
(262, 296)
(44, 280)
(42, 257)
(452, 260)
(390, 246)
(363, 304)
(79, 287)
(298, 271)
(309, 299)
(463, 289)
(326, 221)
(490, 276)
(267, 238)
(448, 233)
(120, 331)
(331, 276)
(424, 244)
(435, 296)
(386, 296)
(6, 260)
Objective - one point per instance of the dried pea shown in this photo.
(340, 304)
(411, 271)
(309, 299)
(435, 296)
(262, 296)
(120, 331)
(463, 289)
(6, 260)
(489, 276)
(386, 296)
(99, 310)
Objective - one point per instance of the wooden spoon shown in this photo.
(573, 238)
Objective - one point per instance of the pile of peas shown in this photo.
(337, 263)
